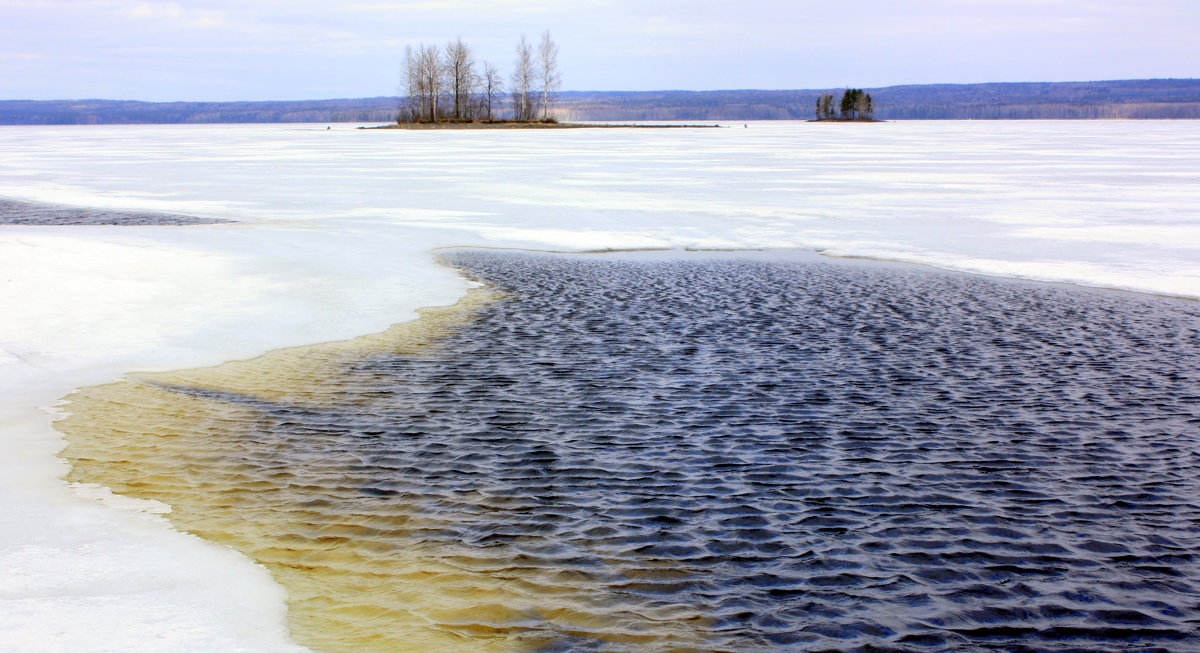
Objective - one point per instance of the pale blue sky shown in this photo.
(304, 49)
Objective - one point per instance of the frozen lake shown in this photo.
(334, 240)
(1105, 203)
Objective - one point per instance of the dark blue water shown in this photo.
(815, 456)
(36, 213)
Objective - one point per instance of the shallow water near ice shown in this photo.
(706, 453)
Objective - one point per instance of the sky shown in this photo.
(220, 50)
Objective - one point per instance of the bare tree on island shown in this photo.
(825, 107)
(449, 84)
(425, 78)
(551, 82)
(412, 84)
(492, 86)
(460, 75)
(522, 82)
(864, 106)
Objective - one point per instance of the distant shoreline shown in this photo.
(1134, 99)
(508, 124)
(847, 120)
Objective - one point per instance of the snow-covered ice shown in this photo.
(335, 239)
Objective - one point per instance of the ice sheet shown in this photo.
(84, 305)
(335, 240)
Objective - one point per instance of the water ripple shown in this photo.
(726, 455)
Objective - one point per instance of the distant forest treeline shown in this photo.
(125, 112)
(1142, 98)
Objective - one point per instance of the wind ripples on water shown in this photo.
(715, 454)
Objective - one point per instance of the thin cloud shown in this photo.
(174, 13)
(308, 48)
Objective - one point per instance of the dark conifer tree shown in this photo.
(849, 98)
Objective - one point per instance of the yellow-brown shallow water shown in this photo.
(700, 455)
(355, 583)
(359, 575)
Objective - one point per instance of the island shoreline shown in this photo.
(417, 126)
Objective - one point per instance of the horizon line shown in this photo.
(662, 90)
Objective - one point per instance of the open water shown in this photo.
(13, 212)
(723, 453)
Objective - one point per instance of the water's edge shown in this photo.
(273, 388)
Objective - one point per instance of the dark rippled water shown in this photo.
(827, 456)
(36, 213)
(752, 455)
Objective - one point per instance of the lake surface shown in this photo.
(730, 453)
(333, 241)
(1107, 203)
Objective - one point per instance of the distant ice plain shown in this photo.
(335, 237)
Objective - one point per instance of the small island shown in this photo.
(520, 124)
(856, 105)
(447, 88)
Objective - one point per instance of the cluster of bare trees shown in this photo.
(855, 104)
(449, 84)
